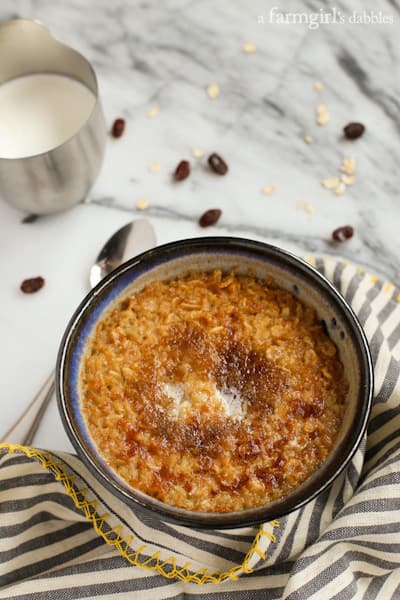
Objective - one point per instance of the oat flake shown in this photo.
(153, 112)
(142, 203)
(340, 190)
(213, 91)
(154, 166)
(268, 190)
(323, 115)
(249, 48)
(348, 179)
(197, 152)
(330, 182)
(308, 139)
(349, 166)
(307, 207)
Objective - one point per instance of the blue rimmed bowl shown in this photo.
(205, 254)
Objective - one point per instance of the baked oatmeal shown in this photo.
(214, 392)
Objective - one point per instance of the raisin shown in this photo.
(182, 171)
(343, 233)
(217, 164)
(118, 128)
(210, 217)
(352, 131)
(29, 286)
(30, 218)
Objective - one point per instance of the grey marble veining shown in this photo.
(166, 54)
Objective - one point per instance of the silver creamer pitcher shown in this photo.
(61, 177)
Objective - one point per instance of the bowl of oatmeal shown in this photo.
(217, 382)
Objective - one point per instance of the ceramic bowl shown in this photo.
(205, 254)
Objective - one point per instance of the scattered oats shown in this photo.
(330, 182)
(197, 152)
(154, 166)
(87, 200)
(348, 179)
(338, 184)
(388, 287)
(348, 166)
(213, 91)
(309, 208)
(268, 190)
(142, 203)
(318, 87)
(323, 115)
(340, 190)
(374, 279)
(308, 139)
(249, 48)
(153, 112)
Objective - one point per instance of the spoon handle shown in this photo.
(23, 430)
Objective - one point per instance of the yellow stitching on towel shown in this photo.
(167, 568)
(127, 541)
(255, 548)
(275, 523)
(270, 535)
(260, 553)
(233, 571)
(101, 520)
(116, 530)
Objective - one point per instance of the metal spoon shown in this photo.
(127, 242)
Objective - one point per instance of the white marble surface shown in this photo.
(166, 54)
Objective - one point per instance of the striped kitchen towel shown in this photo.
(63, 536)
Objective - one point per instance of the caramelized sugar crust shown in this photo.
(214, 392)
